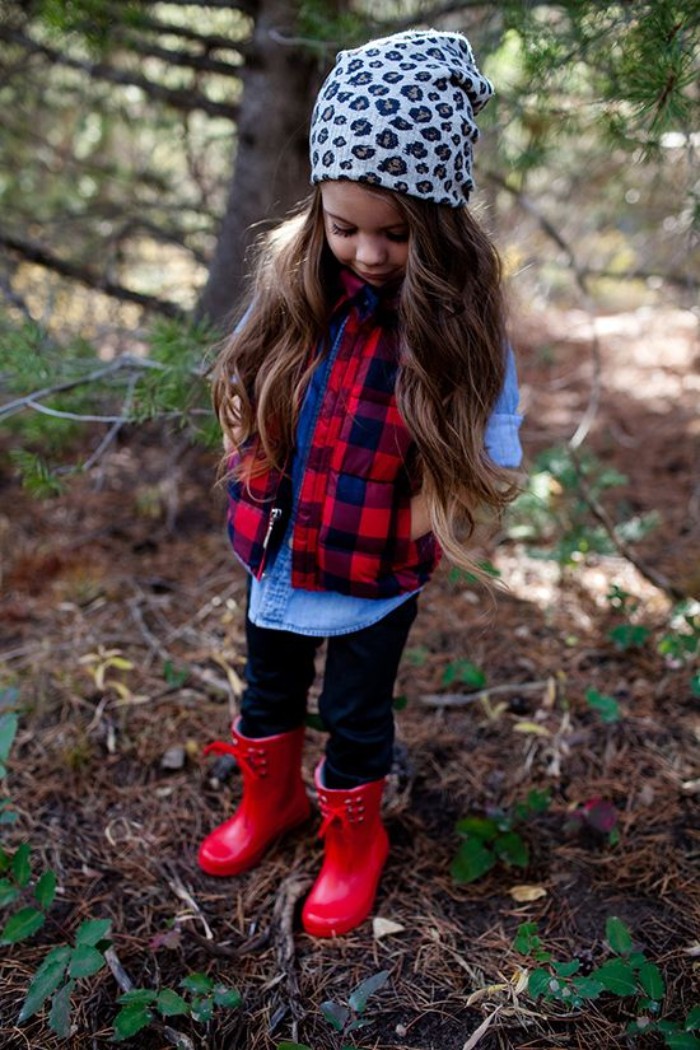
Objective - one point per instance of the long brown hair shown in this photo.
(452, 362)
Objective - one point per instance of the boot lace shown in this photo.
(348, 809)
(251, 758)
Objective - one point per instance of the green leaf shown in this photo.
(650, 977)
(511, 849)
(472, 861)
(695, 684)
(538, 983)
(464, 672)
(682, 1041)
(86, 961)
(138, 997)
(692, 1021)
(360, 995)
(203, 1009)
(170, 1004)
(227, 997)
(484, 828)
(130, 1020)
(617, 977)
(21, 925)
(618, 936)
(526, 938)
(566, 969)
(8, 893)
(198, 983)
(587, 987)
(21, 866)
(8, 729)
(45, 889)
(59, 1015)
(628, 636)
(606, 706)
(292, 1046)
(92, 931)
(45, 981)
(336, 1015)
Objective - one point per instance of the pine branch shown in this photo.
(123, 363)
(36, 253)
(208, 42)
(184, 99)
(185, 59)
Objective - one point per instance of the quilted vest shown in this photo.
(352, 521)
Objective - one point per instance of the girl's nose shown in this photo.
(370, 251)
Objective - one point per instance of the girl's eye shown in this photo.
(340, 231)
(398, 238)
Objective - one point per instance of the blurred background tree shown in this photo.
(145, 144)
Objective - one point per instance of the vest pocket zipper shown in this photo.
(275, 515)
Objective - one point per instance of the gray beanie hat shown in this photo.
(398, 112)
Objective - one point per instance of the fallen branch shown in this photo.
(464, 699)
(290, 892)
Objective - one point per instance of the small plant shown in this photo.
(681, 645)
(606, 707)
(554, 509)
(494, 837)
(139, 1006)
(464, 672)
(628, 636)
(58, 974)
(8, 731)
(349, 1017)
(627, 975)
(175, 677)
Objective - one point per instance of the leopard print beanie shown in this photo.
(398, 112)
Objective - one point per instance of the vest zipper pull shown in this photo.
(275, 515)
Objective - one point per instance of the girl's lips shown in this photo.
(374, 277)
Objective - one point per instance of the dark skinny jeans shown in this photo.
(356, 702)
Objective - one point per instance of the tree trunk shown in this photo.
(271, 170)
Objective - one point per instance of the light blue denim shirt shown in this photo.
(274, 603)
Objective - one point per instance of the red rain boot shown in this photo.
(356, 850)
(274, 800)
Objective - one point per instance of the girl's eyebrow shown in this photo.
(339, 218)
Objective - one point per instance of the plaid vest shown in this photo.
(352, 524)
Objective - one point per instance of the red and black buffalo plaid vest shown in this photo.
(352, 516)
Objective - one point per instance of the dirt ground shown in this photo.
(114, 796)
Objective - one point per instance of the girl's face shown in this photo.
(365, 231)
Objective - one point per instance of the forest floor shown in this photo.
(113, 794)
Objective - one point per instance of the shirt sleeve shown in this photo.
(501, 438)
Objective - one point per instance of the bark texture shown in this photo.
(271, 168)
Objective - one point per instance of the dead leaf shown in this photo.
(385, 928)
(531, 727)
(524, 894)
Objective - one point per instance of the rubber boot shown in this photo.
(274, 800)
(356, 848)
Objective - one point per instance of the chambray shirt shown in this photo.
(273, 602)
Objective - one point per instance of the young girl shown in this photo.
(369, 404)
